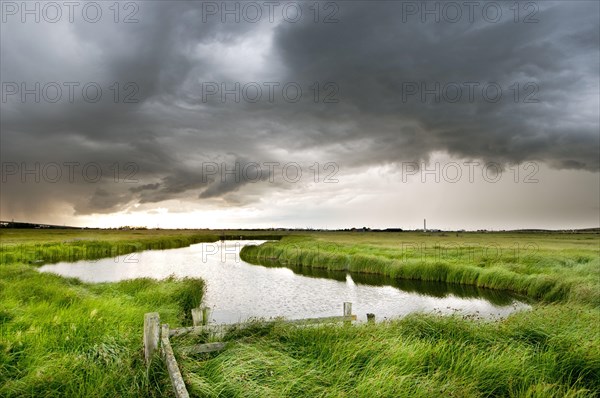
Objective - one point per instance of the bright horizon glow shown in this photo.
(502, 205)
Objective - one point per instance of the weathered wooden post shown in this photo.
(371, 318)
(347, 311)
(151, 334)
(205, 316)
(197, 315)
(172, 367)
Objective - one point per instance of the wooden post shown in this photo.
(370, 318)
(347, 311)
(205, 316)
(151, 334)
(171, 362)
(197, 316)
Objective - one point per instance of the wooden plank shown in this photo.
(203, 348)
(151, 334)
(197, 330)
(171, 362)
(328, 319)
(215, 329)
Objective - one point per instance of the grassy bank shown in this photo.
(62, 337)
(550, 267)
(551, 351)
(544, 353)
(41, 246)
(49, 246)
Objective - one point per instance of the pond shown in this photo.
(237, 290)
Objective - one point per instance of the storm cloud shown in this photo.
(198, 107)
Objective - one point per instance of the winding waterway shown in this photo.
(237, 290)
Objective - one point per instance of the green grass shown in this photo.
(41, 246)
(418, 356)
(550, 267)
(48, 246)
(62, 337)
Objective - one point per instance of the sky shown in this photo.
(332, 114)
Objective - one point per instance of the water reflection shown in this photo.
(426, 288)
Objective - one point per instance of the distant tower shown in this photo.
(424, 225)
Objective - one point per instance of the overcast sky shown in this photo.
(301, 114)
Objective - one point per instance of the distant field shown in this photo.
(61, 337)
(45, 236)
(41, 246)
(22, 236)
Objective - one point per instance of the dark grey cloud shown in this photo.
(559, 55)
(372, 57)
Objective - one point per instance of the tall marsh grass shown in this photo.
(567, 267)
(73, 250)
(60, 337)
(418, 356)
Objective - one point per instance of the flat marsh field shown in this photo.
(60, 337)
